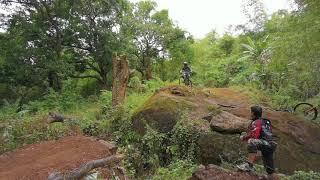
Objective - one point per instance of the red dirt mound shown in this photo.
(37, 161)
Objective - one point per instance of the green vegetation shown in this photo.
(56, 56)
(175, 171)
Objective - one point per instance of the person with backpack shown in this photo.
(259, 138)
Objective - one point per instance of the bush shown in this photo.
(19, 132)
(145, 154)
(177, 170)
(136, 85)
(69, 99)
(301, 175)
(184, 142)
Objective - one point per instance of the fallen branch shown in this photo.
(86, 168)
(227, 106)
(54, 117)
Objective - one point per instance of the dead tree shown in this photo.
(121, 75)
(87, 168)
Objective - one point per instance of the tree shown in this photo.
(154, 36)
(94, 37)
(256, 16)
(66, 38)
(36, 30)
(226, 43)
(259, 53)
(295, 60)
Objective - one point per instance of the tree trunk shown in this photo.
(55, 81)
(148, 69)
(121, 75)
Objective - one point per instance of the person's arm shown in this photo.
(254, 131)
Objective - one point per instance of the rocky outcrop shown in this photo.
(219, 116)
(213, 172)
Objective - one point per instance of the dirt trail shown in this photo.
(37, 161)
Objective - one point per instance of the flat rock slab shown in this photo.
(37, 161)
(212, 172)
(228, 123)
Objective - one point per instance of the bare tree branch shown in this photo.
(86, 168)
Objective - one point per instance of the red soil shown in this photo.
(37, 161)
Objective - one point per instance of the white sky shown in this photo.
(201, 16)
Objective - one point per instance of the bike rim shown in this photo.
(306, 110)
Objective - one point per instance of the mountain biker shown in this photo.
(186, 70)
(259, 138)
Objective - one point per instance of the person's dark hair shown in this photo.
(257, 111)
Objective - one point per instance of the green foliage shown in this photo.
(29, 130)
(53, 101)
(177, 170)
(105, 97)
(146, 153)
(184, 138)
(274, 61)
(136, 85)
(305, 175)
(226, 44)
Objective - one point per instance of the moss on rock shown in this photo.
(218, 137)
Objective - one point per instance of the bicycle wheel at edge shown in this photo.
(302, 107)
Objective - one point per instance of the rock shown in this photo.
(298, 140)
(228, 123)
(162, 110)
(214, 147)
(209, 117)
(212, 172)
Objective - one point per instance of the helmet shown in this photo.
(185, 63)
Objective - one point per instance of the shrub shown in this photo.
(177, 170)
(19, 132)
(299, 175)
(136, 85)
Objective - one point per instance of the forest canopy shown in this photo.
(46, 43)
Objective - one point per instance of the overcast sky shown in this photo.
(201, 16)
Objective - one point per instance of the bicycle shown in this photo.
(307, 110)
(185, 78)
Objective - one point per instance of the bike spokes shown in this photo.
(306, 110)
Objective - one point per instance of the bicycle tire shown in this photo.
(312, 108)
(190, 83)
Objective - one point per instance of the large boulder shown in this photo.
(164, 108)
(228, 123)
(219, 116)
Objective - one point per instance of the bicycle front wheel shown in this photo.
(306, 110)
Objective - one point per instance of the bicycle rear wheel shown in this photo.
(190, 83)
(306, 110)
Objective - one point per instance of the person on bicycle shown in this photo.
(259, 138)
(186, 70)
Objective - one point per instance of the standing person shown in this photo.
(259, 138)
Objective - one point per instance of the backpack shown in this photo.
(266, 130)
